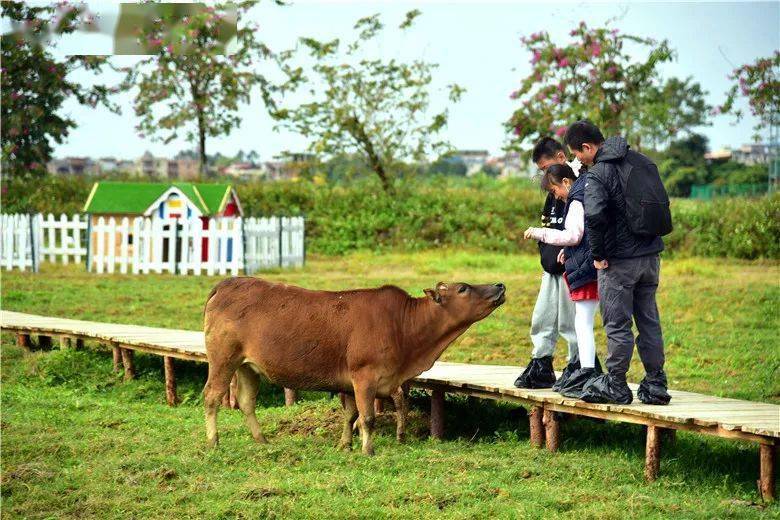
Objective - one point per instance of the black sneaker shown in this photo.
(576, 382)
(538, 374)
(652, 389)
(607, 388)
(571, 367)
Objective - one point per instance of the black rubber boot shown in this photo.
(571, 367)
(538, 374)
(607, 388)
(576, 382)
(652, 389)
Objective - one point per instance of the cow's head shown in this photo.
(467, 303)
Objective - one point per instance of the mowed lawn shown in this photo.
(79, 442)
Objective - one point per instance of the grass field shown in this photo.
(78, 442)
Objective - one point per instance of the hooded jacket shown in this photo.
(605, 206)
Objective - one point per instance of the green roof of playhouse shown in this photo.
(136, 197)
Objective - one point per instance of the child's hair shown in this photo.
(555, 175)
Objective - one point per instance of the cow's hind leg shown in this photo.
(401, 409)
(248, 385)
(365, 392)
(217, 385)
(350, 414)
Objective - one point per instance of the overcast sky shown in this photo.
(476, 45)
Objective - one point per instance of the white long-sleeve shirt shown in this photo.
(573, 228)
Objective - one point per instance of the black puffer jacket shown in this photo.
(579, 261)
(605, 207)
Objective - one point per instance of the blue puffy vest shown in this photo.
(579, 260)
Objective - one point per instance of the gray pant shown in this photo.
(553, 316)
(627, 289)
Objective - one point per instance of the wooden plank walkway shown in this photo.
(722, 417)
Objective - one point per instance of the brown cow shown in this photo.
(365, 342)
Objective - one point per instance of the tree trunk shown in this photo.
(204, 172)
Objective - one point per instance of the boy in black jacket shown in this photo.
(554, 311)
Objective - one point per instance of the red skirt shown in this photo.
(589, 291)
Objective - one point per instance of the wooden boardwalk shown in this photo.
(722, 417)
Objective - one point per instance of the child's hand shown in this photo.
(561, 258)
(528, 233)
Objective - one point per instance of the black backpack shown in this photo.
(647, 204)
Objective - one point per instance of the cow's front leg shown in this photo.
(401, 410)
(350, 414)
(365, 392)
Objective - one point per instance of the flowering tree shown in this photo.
(188, 83)
(759, 82)
(372, 107)
(35, 84)
(598, 77)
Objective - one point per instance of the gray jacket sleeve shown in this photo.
(596, 199)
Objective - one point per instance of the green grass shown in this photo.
(78, 442)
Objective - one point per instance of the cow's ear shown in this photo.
(432, 295)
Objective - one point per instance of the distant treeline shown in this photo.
(474, 213)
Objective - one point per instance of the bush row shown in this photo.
(475, 213)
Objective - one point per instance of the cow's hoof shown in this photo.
(368, 451)
(260, 439)
(345, 446)
(212, 443)
(401, 437)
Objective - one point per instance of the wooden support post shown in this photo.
(437, 414)
(170, 381)
(79, 343)
(766, 481)
(64, 342)
(652, 452)
(290, 396)
(23, 340)
(536, 426)
(117, 353)
(129, 364)
(44, 342)
(551, 430)
(379, 406)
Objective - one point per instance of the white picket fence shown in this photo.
(152, 245)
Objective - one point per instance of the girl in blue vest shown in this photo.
(580, 274)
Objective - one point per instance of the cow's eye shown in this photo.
(463, 288)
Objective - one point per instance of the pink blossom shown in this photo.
(536, 58)
(155, 42)
(518, 130)
(573, 32)
(514, 94)
(715, 111)
(595, 50)
(540, 96)
(555, 98)
(15, 95)
(561, 130)
(593, 73)
(612, 70)
(563, 62)
(614, 32)
(561, 86)
(169, 48)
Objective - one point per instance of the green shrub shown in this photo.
(423, 213)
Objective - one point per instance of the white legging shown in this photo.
(584, 312)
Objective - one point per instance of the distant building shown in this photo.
(245, 171)
(107, 165)
(81, 166)
(722, 155)
(473, 159)
(750, 154)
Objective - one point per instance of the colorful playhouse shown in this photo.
(178, 200)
